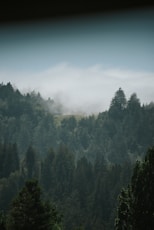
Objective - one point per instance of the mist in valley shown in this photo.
(77, 123)
(81, 62)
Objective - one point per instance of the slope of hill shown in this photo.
(122, 133)
(82, 162)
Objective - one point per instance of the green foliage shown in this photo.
(122, 133)
(136, 203)
(63, 166)
(29, 212)
(9, 159)
(47, 171)
(118, 105)
(2, 221)
(81, 161)
(30, 162)
(123, 221)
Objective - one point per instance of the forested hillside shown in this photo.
(81, 162)
(122, 133)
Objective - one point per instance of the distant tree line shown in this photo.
(122, 133)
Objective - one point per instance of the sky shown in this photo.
(82, 61)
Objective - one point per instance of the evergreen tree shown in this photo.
(9, 159)
(63, 170)
(47, 172)
(28, 211)
(118, 104)
(2, 221)
(143, 193)
(30, 161)
(136, 203)
(123, 221)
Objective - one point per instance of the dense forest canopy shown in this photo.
(30, 120)
(81, 162)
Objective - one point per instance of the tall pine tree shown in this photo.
(30, 212)
(136, 203)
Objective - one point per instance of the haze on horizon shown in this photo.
(82, 61)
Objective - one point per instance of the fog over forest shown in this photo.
(86, 90)
(77, 118)
(81, 61)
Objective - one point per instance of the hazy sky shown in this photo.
(82, 61)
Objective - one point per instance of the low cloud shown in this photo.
(88, 90)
